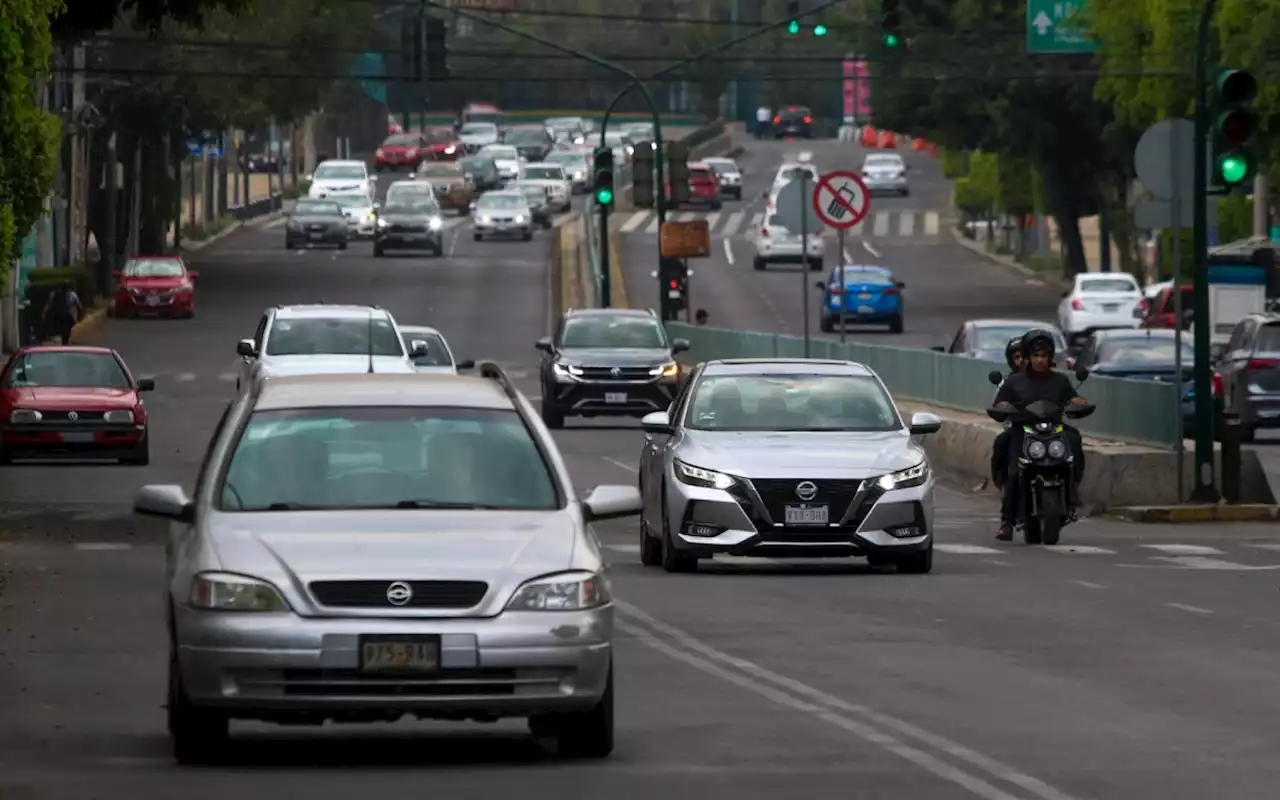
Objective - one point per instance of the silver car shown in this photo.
(361, 214)
(360, 548)
(436, 356)
(505, 213)
(885, 173)
(786, 458)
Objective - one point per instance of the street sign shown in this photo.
(1157, 215)
(841, 199)
(690, 239)
(1058, 26)
(793, 206)
(1153, 157)
(195, 147)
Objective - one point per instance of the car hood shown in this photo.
(507, 163)
(314, 219)
(152, 284)
(614, 356)
(818, 454)
(279, 366)
(478, 138)
(72, 398)
(329, 185)
(407, 219)
(555, 183)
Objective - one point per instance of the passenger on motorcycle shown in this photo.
(1038, 381)
(1000, 447)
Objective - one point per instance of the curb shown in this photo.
(87, 326)
(1246, 512)
(256, 222)
(1005, 261)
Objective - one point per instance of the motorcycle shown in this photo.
(1045, 464)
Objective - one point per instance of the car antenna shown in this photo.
(370, 343)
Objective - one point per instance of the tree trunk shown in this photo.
(1073, 261)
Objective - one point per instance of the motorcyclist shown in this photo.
(1000, 447)
(1037, 381)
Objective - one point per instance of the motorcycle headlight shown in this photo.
(123, 416)
(567, 370)
(568, 591)
(706, 478)
(666, 370)
(905, 478)
(1057, 449)
(1036, 449)
(221, 591)
(436, 223)
(25, 416)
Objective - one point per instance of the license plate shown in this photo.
(77, 437)
(152, 300)
(408, 654)
(805, 515)
(866, 310)
(864, 296)
(615, 397)
(1110, 307)
(315, 235)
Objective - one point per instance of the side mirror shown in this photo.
(467, 364)
(995, 378)
(245, 348)
(657, 422)
(377, 206)
(473, 206)
(544, 344)
(192, 274)
(115, 273)
(1082, 373)
(938, 349)
(679, 345)
(923, 423)
(1065, 295)
(168, 501)
(611, 502)
(820, 285)
(417, 348)
(901, 284)
(146, 385)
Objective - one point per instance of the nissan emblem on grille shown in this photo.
(73, 416)
(616, 372)
(806, 490)
(399, 593)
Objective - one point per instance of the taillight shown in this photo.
(836, 290)
(381, 152)
(893, 290)
(1217, 385)
(776, 120)
(1142, 306)
(808, 120)
(1262, 363)
(1076, 305)
(764, 232)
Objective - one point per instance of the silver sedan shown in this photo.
(786, 458)
(364, 547)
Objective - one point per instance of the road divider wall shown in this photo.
(1130, 440)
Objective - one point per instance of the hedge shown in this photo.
(43, 281)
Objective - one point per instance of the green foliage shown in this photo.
(984, 178)
(44, 281)
(28, 136)
(90, 16)
(955, 163)
(970, 199)
(1235, 222)
(1016, 193)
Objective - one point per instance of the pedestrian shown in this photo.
(762, 121)
(62, 311)
(700, 317)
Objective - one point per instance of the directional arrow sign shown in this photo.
(1058, 26)
(1042, 23)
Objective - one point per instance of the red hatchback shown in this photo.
(704, 186)
(441, 144)
(400, 150)
(158, 285)
(69, 402)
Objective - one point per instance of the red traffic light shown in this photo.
(675, 284)
(1237, 127)
(1236, 87)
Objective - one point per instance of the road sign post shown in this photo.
(803, 180)
(1058, 26)
(842, 201)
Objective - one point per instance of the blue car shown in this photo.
(870, 295)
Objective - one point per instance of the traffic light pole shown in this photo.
(1204, 489)
(606, 284)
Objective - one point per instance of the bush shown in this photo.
(43, 281)
(955, 164)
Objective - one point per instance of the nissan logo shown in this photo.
(806, 490)
(399, 593)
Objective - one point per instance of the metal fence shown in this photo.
(1145, 412)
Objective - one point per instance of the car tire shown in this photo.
(815, 265)
(288, 245)
(920, 563)
(377, 251)
(189, 314)
(906, 192)
(650, 545)
(895, 324)
(672, 559)
(141, 456)
(716, 206)
(526, 237)
(5, 459)
(826, 324)
(581, 734)
(199, 736)
(552, 415)
(342, 245)
(758, 264)
(477, 236)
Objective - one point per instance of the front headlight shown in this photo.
(905, 478)
(222, 591)
(578, 176)
(520, 220)
(294, 225)
(485, 220)
(382, 223)
(565, 370)
(25, 416)
(666, 370)
(568, 591)
(435, 224)
(706, 478)
(118, 417)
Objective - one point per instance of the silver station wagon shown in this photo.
(364, 547)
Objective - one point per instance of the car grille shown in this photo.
(482, 682)
(65, 416)
(777, 493)
(398, 228)
(624, 373)
(373, 594)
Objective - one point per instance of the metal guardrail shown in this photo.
(1142, 412)
(591, 240)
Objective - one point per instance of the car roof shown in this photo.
(380, 389)
(639, 313)
(321, 311)
(421, 329)
(1088, 277)
(862, 268)
(785, 366)
(343, 162)
(1116, 334)
(69, 348)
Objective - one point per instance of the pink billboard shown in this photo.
(857, 90)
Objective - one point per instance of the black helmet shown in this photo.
(1011, 349)
(1037, 336)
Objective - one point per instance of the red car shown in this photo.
(441, 144)
(704, 186)
(71, 402)
(157, 285)
(400, 150)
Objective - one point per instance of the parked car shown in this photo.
(159, 286)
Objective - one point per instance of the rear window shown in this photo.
(861, 278)
(702, 175)
(1269, 338)
(1108, 285)
(794, 112)
(401, 140)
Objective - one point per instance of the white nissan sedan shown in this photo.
(1098, 301)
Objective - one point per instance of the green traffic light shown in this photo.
(819, 30)
(891, 40)
(1233, 169)
(604, 196)
(793, 27)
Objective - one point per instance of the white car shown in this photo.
(885, 173)
(1098, 301)
(323, 340)
(729, 175)
(789, 172)
(477, 135)
(361, 214)
(776, 245)
(576, 166)
(623, 147)
(551, 177)
(438, 358)
(341, 177)
(506, 158)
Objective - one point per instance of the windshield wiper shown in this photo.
(290, 507)
(444, 504)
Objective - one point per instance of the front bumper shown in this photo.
(282, 666)
(326, 237)
(1083, 323)
(410, 241)
(613, 398)
(748, 520)
(163, 304)
(855, 312)
(731, 188)
(497, 228)
(790, 252)
(72, 441)
(886, 185)
(1261, 411)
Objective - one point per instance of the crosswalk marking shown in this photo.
(881, 225)
(907, 224)
(1185, 549)
(742, 224)
(931, 224)
(633, 222)
(734, 220)
(1274, 548)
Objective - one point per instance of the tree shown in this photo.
(81, 17)
(28, 135)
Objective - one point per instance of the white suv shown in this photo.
(777, 245)
(325, 340)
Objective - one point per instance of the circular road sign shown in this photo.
(841, 199)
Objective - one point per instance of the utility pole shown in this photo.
(1203, 489)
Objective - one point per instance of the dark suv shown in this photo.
(793, 121)
(608, 362)
(533, 142)
(1250, 370)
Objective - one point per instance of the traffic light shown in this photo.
(1234, 127)
(642, 176)
(603, 176)
(437, 49)
(793, 14)
(674, 277)
(890, 23)
(412, 58)
(819, 30)
(678, 172)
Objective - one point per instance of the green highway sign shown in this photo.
(1058, 26)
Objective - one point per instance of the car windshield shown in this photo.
(409, 206)
(998, 337)
(611, 332)
(502, 201)
(330, 172)
(440, 171)
(479, 129)
(398, 457)
(792, 173)
(791, 403)
(314, 336)
(439, 135)
(724, 167)
(1108, 285)
(1143, 352)
(533, 194)
(568, 160)
(502, 153)
(563, 122)
(316, 208)
(351, 200)
(437, 351)
(795, 112)
(525, 136)
(66, 368)
(544, 173)
(402, 140)
(882, 161)
(153, 268)
(701, 174)
(863, 277)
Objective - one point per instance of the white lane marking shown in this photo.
(103, 546)
(276, 223)
(652, 227)
(185, 377)
(1081, 550)
(619, 464)
(1272, 547)
(1215, 564)
(965, 549)
(848, 259)
(1188, 609)
(634, 221)
(623, 548)
(712, 219)
(866, 246)
(728, 251)
(1089, 584)
(731, 223)
(1185, 549)
(684, 216)
(805, 155)
(907, 223)
(453, 243)
(931, 223)
(881, 224)
(301, 252)
(228, 377)
(828, 707)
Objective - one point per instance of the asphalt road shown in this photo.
(1133, 661)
